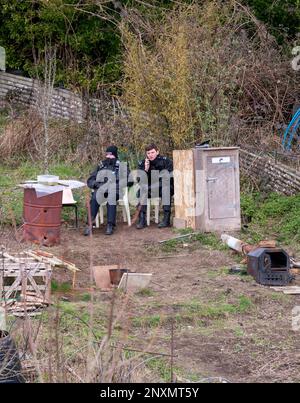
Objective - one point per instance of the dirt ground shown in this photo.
(224, 325)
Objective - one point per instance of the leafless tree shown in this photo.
(44, 96)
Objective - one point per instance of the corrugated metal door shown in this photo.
(221, 185)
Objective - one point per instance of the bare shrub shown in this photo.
(209, 70)
(24, 137)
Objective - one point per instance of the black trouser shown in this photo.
(111, 207)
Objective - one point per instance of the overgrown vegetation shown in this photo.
(206, 70)
(87, 43)
(282, 17)
(209, 70)
(87, 38)
(272, 216)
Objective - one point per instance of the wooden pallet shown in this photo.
(27, 274)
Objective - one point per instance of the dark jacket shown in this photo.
(112, 165)
(160, 164)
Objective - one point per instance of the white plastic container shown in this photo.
(48, 179)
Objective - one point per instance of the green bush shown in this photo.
(274, 215)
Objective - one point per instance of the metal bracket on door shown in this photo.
(211, 179)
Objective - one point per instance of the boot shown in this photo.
(87, 231)
(109, 229)
(166, 220)
(142, 221)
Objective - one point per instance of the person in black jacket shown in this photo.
(159, 172)
(107, 183)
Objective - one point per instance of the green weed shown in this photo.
(273, 215)
(60, 287)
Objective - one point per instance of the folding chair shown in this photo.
(124, 203)
(155, 201)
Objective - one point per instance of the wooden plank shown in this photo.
(21, 314)
(184, 187)
(289, 290)
(102, 276)
(1, 283)
(15, 274)
(267, 244)
(51, 259)
(292, 292)
(29, 287)
(34, 285)
(14, 287)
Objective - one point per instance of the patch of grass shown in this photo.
(183, 231)
(145, 292)
(247, 278)
(161, 367)
(85, 297)
(209, 240)
(271, 216)
(212, 274)
(171, 245)
(195, 312)
(60, 287)
(147, 321)
(185, 374)
(277, 296)
(239, 332)
(3, 119)
(217, 309)
(244, 304)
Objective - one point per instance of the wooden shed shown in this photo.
(207, 189)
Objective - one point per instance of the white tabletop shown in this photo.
(45, 190)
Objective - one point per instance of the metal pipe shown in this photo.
(233, 243)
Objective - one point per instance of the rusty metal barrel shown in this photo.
(42, 218)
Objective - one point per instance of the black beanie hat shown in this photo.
(113, 150)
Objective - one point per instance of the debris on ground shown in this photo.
(295, 264)
(266, 263)
(102, 276)
(270, 266)
(238, 270)
(178, 237)
(243, 247)
(29, 304)
(134, 282)
(25, 280)
(25, 284)
(54, 261)
(291, 290)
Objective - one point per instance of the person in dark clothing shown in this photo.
(107, 183)
(159, 172)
